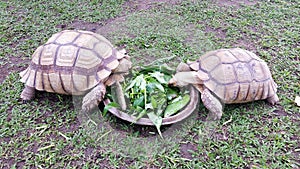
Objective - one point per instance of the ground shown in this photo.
(47, 132)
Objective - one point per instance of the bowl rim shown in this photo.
(186, 112)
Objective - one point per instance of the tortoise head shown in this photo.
(183, 67)
(122, 69)
(124, 63)
(181, 79)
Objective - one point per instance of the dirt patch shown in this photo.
(244, 43)
(12, 65)
(4, 72)
(235, 3)
(186, 150)
(81, 25)
(139, 5)
(219, 33)
(111, 25)
(280, 112)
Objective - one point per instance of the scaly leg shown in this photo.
(212, 104)
(273, 100)
(93, 98)
(28, 93)
(120, 96)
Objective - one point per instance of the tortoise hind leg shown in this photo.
(28, 93)
(93, 98)
(213, 104)
(273, 100)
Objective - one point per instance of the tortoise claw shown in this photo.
(25, 101)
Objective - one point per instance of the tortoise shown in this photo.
(227, 76)
(75, 62)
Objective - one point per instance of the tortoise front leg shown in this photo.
(213, 104)
(93, 98)
(120, 96)
(28, 93)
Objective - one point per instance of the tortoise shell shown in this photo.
(235, 75)
(71, 62)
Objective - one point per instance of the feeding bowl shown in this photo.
(180, 115)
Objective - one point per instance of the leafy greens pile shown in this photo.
(148, 94)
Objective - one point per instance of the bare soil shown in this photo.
(138, 5)
(235, 3)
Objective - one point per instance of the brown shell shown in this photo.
(71, 62)
(235, 75)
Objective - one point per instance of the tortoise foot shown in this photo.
(27, 94)
(93, 98)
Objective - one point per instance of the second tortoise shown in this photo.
(227, 76)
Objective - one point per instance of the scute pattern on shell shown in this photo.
(247, 77)
(71, 62)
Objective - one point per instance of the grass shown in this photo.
(48, 132)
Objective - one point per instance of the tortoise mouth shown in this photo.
(122, 72)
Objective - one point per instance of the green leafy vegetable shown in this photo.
(149, 95)
(153, 102)
(141, 114)
(159, 86)
(156, 120)
(109, 106)
(159, 76)
(176, 106)
(139, 102)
